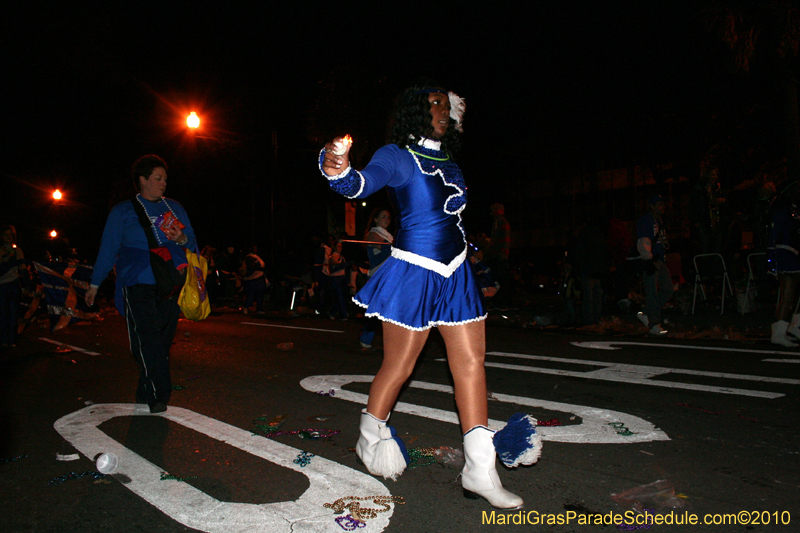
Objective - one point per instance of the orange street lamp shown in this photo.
(193, 121)
(54, 234)
(57, 195)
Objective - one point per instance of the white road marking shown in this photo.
(654, 370)
(594, 427)
(193, 508)
(290, 327)
(610, 345)
(607, 345)
(641, 374)
(51, 341)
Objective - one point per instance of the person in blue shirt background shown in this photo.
(651, 241)
(377, 253)
(151, 318)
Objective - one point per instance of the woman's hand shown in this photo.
(336, 164)
(176, 235)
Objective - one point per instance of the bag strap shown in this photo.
(146, 224)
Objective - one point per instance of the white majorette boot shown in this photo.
(380, 449)
(479, 477)
(794, 326)
(779, 334)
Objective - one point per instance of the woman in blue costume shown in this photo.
(426, 283)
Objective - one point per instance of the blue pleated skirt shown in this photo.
(418, 299)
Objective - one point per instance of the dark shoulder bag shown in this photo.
(169, 281)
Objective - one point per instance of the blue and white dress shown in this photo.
(427, 281)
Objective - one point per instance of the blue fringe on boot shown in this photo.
(518, 443)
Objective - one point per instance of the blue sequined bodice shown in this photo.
(428, 189)
(430, 204)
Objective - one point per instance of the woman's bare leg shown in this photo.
(466, 353)
(401, 348)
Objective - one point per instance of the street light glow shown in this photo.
(57, 194)
(193, 121)
(54, 234)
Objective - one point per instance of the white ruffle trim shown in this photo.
(438, 172)
(338, 176)
(430, 325)
(429, 264)
(430, 144)
(342, 174)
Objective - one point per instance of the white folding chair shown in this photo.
(700, 278)
(750, 276)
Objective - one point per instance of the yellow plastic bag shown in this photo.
(193, 299)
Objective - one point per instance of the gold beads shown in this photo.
(364, 513)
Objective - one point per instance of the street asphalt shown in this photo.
(693, 425)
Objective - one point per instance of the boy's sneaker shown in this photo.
(643, 319)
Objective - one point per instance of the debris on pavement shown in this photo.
(169, 477)
(657, 495)
(76, 475)
(67, 457)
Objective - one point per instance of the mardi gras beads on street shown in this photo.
(416, 455)
(75, 475)
(170, 477)
(303, 459)
(264, 429)
(270, 427)
(348, 523)
(621, 429)
(306, 433)
(361, 513)
(551, 422)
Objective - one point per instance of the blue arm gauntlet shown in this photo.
(349, 183)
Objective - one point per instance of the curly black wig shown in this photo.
(413, 118)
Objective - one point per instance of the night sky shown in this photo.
(553, 89)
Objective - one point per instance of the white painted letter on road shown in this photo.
(594, 428)
(193, 508)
